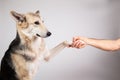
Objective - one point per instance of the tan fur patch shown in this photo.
(22, 25)
(20, 67)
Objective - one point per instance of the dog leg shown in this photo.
(51, 53)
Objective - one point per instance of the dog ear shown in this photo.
(18, 17)
(37, 12)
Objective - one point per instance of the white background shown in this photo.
(65, 19)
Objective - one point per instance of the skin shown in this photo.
(107, 45)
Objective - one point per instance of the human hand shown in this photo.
(78, 43)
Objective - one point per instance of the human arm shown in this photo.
(107, 45)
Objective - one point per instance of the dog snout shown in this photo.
(49, 33)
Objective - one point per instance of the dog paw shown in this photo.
(67, 44)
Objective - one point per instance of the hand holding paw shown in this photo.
(78, 43)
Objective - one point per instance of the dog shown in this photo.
(20, 61)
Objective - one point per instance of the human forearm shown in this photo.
(108, 45)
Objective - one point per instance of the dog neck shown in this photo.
(26, 45)
(24, 39)
(30, 42)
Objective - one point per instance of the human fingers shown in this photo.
(82, 45)
(78, 44)
(76, 38)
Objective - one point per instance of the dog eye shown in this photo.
(37, 22)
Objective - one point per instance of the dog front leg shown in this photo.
(51, 53)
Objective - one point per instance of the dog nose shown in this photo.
(48, 33)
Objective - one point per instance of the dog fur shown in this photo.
(20, 61)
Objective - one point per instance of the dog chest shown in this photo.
(23, 68)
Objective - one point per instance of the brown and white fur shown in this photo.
(20, 61)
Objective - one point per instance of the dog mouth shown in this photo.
(38, 35)
(47, 35)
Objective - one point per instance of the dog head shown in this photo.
(30, 24)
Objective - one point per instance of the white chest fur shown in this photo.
(38, 48)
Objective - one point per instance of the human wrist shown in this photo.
(86, 40)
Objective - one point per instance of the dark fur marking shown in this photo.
(28, 58)
(7, 71)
